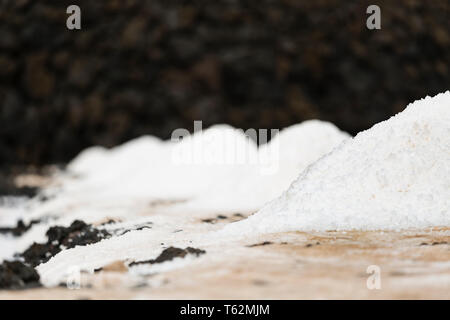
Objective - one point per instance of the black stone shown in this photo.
(77, 234)
(170, 254)
(16, 275)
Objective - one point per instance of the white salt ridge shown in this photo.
(395, 175)
(219, 170)
(132, 246)
(146, 167)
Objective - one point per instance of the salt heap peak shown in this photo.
(395, 175)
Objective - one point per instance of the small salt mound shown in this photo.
(88, 160)
(182, 170)
(99, 161)
(395, 175)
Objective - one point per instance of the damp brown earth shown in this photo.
(412, 264)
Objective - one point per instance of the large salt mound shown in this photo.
(395, 175)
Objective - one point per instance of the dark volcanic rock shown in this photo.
(265, 243)
(148, 67)
(19, 229)
(59, 238)
(137, 227)
(16, 275)
(170, 254)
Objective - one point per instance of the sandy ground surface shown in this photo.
(413, 264)
(328, 265)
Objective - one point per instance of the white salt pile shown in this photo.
(213, 171)
(395, 175)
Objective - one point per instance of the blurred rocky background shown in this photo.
(147, 67)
